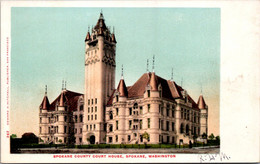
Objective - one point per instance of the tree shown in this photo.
(211, 137)
(60, 141)
(217, 138)
(13, 136)
(146, 136)
(204, 136)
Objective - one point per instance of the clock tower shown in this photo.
(100, 55)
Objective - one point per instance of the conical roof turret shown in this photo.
(153, 82)
(87, 37)
(201, 103)
(45, 103)
(113, 38)
(122, 88)
(62, 99)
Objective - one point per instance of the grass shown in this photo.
(116, 146)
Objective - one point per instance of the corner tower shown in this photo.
(100, 66)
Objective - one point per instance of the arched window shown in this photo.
(187, 129)
(182, 128)
(135, 106)
(110, 115)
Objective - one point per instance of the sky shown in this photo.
(47, 46)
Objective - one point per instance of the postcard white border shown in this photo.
(239, 97)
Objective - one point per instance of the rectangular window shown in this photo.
(117, 111)
(57, 129)
(80, 140)
(88, 117)
(148, 93)
(90, 127)
(116, 125)
(91, 109)
(88, 109)
(95, 117)
(130, 124)
(40, 130)
(49, 119)
(172, 126)
(92, 102)
(91, 117)
(88, 101)
(167, 112)
(80, 130)
(130, 111)
(141, 110)
(81, 107)
(65, 118)
(148, 122)
(159, 123)
(173, 115)
(81, 118)
(40, 120)
(87, 127)
(162, 125)
(105, 127)
(110, 139)
(65, 129)
(148, 106)
(167, 126)
(95, 109)
(141, 124)
(116, 98)
(75, 130)
(94, 126)
(129, 137)
(95, 100)
(116, 138)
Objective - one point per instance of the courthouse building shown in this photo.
(153, 110)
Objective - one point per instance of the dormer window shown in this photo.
(148, 93)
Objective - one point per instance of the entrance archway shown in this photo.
(92, 139)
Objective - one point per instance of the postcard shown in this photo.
(114, 81)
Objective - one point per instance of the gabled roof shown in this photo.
(69, 98)
(169, 89)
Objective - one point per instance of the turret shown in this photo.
(203, 115)
(45, 102)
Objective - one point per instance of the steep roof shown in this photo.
(122, 88)
(69, 97)
(45, 103)
(153, 82)
(170, 90)
(101, 23)
(201, 103)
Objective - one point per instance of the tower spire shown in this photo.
(45, 90)
(200, 88)
(62, 85)
(153, 62)
(122, 72)
(65, 85)
(147, 66)
(172, 75)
